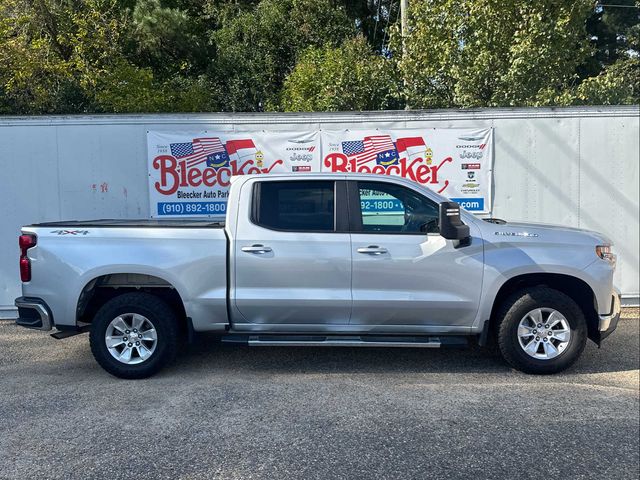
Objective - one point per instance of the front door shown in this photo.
(404, 272)
(293, 257)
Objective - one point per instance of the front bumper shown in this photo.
(609, 322)
(34, 313)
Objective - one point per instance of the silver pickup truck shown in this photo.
(320, 260)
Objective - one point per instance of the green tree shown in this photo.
(349, 77)
(53, 53)
(374, 19)
(76, 56)
(613, 30)
(463, 53)
(259, 47)
(169, 40)
(617, 84)
(100, 56)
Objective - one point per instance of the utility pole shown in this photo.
(404, 32)
(404, 7)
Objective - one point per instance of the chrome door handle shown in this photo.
(256, 249)
(373, 250)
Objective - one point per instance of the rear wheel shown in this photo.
(541, 330)
(134, 335)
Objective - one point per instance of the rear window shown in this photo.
(295, 206)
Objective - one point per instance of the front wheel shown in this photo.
(134, 335)
(541, 330)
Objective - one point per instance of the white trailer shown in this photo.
(575, 166)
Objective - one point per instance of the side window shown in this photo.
(295, 206)
(390, 208)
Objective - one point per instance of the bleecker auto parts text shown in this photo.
(205, 194)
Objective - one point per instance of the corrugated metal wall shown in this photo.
(570, 166)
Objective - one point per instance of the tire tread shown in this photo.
(542, 296)
(163, 319)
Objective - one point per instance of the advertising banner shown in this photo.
(456, 163)
(189, 172)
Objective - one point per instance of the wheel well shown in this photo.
(102, 289)
(573, 287)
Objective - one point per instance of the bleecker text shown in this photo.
(414, 169)
(175, 174)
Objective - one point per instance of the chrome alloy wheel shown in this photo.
(131, 338)
(544, 333)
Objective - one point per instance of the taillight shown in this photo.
(25, 269)
(26, 242)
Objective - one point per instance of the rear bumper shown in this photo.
(34, 313)
(609, 322)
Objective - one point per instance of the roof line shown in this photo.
(333, 118)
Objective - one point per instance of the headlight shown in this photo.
(605, 253)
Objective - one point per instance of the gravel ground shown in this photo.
(240, 412)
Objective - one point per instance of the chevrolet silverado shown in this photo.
(320, 260)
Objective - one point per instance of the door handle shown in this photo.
(256, 249)
(373, 250)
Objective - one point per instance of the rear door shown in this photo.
(293, 257)
(404, 272)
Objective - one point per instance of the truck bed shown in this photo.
(136, 223)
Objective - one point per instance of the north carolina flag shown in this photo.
(410, 146)
(243, 149)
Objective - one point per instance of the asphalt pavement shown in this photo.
(261, 412)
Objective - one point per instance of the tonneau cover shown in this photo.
(139, 223)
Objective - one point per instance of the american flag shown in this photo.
(377, 147)
(200, 150)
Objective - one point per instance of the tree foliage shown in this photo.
(259, 47)
(52, 53)
(77, 56)
(491, 52)
(349, 77)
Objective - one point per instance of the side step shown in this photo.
(346, 341)
(70, 332)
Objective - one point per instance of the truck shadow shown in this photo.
(26, 351)
(619, 353)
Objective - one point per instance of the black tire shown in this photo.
(524, 301)
(158, 312)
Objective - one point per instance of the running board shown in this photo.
(346, 341)
(70, 332)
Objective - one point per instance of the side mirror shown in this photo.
(451, 227)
